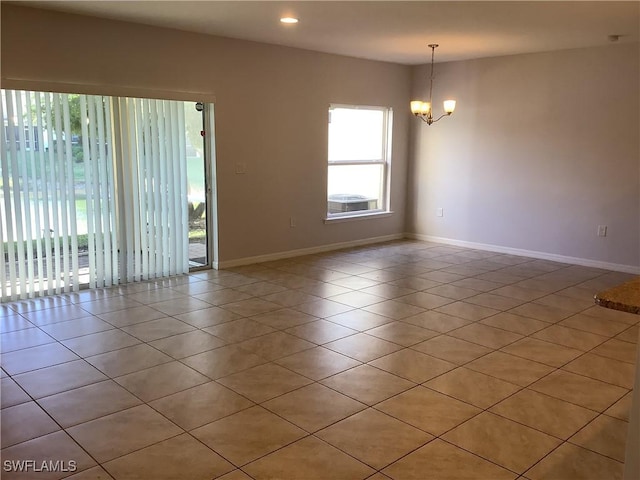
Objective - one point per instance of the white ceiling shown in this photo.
(387, 30)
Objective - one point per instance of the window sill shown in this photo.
(363, 216)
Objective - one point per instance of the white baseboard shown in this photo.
(585, 262)
(305, 251)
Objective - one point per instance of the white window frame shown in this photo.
(385, 160)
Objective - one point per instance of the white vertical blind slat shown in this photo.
(15, 218)
(88, 174)
(73, 284)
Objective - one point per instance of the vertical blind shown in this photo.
(93, 191)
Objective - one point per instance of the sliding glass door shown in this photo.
(97, 190)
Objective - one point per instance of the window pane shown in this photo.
(355, 187)
(356, 134)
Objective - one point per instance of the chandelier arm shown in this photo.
(443, 115)
(433, 51)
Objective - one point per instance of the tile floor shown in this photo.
(404, 360)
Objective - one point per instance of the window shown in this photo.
(359, 159)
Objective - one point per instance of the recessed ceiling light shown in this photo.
(289, 20)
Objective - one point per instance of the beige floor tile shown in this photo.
(19, 339)
(605, 435)
(102, 342)
(123, 432)
(88, 403)
(264, 382)
(497, 302)
(208, 317)
(444, 461)
(200, 405)
(367, 384)
(283, 318)
(313, 407)
(545, 313)
(59, 378)
(574, 305)
(178, 457)
(24, 422)
(14, 322)
(322, 308)
(599, 326)
(513, 291)
(128, 360)
(354, 282)
(94, 473)
(452, 292)
(223, 361)
(387, 291)
(28, 359)
(580, 390)
(12, 394)
(472, 387)
(235, 475)
(131, 316)
(547, 414)
(515, 323)
(394, 309)
(356, 299)
(187, 344)
(156, 295)
(451, 349)
(197, 288)
(317, 363)
(618, 350)
(486, 336)
(275, 345)
(239, 330)
(180, 305)
(251, 306)
(60, 313)
(76, 328)
(412, 365)
(57, 446)
(155, 329)
(621, 408)
(109, 304)
(311, 459)
(290, 298)
(374, 438)
(424, 299)
(321, 331)
(413, 282)
(248, 435)
(543, 352)
(569, 461)
(610, 314)
(502, 441)
(436, 321)
(630, 334)
(603, 369)
(510, 368)
(222, 297)
(363, 347)
(360, 320)
(261, 289)
(467, 311)
(161, 380)
(402, 333)
(428, 410)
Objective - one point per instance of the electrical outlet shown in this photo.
(602, 230)
(292, 222)
(241, 168)
(439, 212)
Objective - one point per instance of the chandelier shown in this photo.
(423, 110)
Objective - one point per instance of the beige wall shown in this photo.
(541, 150)
(271, 113)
